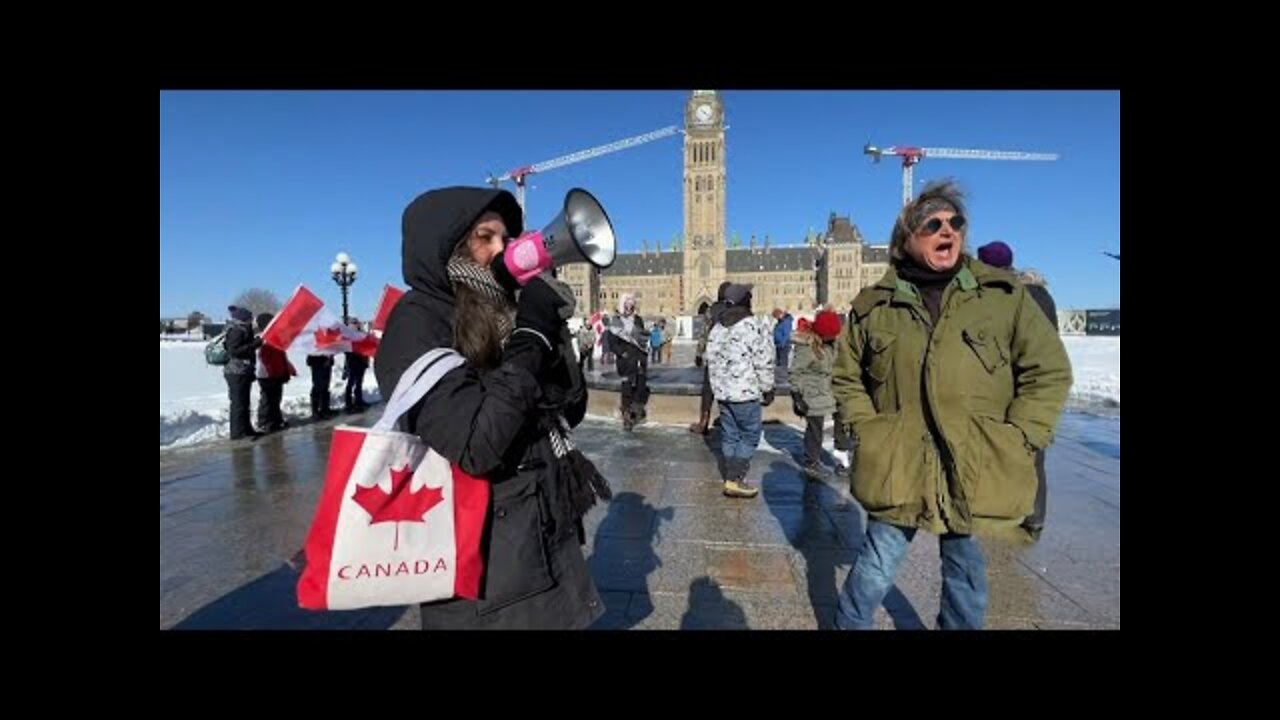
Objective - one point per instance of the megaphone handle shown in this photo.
(526, 257)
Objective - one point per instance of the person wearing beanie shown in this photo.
(951, 380)
(242, 346)
(810, 380)
(997, 255)
(1038, 288)
(740, 358)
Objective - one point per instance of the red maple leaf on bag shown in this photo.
(400, 505)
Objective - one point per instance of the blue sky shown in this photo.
(262, 189)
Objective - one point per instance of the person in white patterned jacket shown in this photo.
(740, 359)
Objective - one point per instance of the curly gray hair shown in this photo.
(937, 195)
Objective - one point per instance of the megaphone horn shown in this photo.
(580, 233)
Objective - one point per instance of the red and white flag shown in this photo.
(598, 325)
(390, 295)
(305, 324)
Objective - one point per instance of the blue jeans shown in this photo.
(739, 433)
(964, 578)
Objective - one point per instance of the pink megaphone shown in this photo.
(526, 257)
(580, 233)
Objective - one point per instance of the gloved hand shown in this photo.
(500, 273)
(798, 405)
(539, 309)
(767, 400)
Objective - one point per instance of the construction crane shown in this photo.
(911, 156)
(519, 174)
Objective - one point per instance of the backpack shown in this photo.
(215, 353)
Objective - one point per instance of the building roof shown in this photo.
(775, 259)
(666, 263)
(875, 253)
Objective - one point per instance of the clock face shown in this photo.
(703, 113)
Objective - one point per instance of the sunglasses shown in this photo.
(957, 223)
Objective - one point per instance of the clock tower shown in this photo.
(704, 191)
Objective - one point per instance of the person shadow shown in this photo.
(825, 525)
(269, 602)
(623, 556)
(709, 609)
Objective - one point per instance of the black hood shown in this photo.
(436, 221)
(423, 319)
(734, 314)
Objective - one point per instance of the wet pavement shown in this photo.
(669, 552)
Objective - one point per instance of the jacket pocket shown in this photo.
(877, 478)
(880, 362)
(982, 339)
(516, 564)
(1001, 474)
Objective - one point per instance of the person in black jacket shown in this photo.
(321, 374)
(242, 346)
(505, 414)
(998, 254)
(630, 342)
(1037, 288)
(710, 317)
(356, 364)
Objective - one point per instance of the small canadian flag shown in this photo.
(304, 323)
(390, 295)
(597, 324)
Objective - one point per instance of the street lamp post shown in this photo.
(344, 273)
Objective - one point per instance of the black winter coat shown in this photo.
(493, 424)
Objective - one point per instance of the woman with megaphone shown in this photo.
(505, 414)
